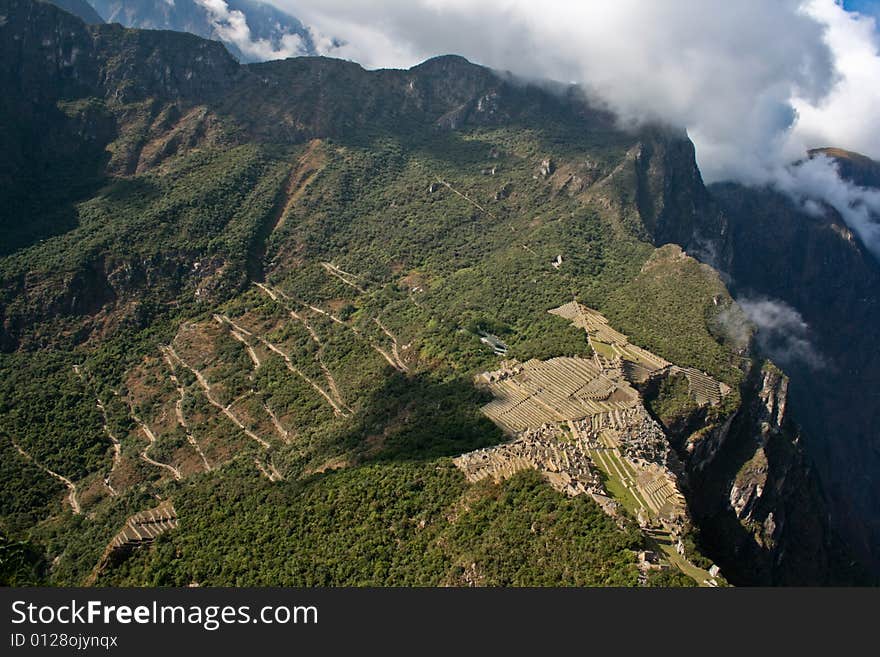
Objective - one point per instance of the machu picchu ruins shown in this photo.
(582, 424)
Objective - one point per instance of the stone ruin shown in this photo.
(144, 527)
(565, 463)
(139, 530)
(529, 395)
(569, 415)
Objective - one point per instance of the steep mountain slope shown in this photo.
(856, 168)
(252, 30)
(259, 292)
(817, 267)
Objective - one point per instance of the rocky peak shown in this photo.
(773, 396)
(45, 52)
(855, 167)
(672, 200)
(137, 64)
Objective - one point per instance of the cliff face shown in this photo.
(756, 502)
(817, 270)
(818, 267)
(673, 202)
(755, 498)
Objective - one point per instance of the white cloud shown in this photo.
(817, 179)
(782, 334)
(231, 26)
(848, 116)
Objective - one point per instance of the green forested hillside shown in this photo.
(267, 308)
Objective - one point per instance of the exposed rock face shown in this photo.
(161, 64)
(672, 201)
(756, 499)
(820, 269)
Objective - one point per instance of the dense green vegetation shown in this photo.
(44, 412)
(21, 563)
(398, 524)
(669, 307)
(671, 402)
(447, 233)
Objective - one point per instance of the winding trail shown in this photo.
(151, 437)
(189, 437)
(117, 449)
(466, 198)
(250, 350)
(117, 446)
(337, 409)
(244, 395)
(206, 388)
(178, 409)
(284, 433)
(72, 496)
(400, 364)
(275, 294)
(268, 470)
(319, 356)
(344, 276)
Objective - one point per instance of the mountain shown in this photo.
(250, 29)
(329, 326)
(813, 265)
(854, 167)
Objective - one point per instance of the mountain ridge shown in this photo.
(394, 216)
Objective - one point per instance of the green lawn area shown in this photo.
(602, 349)
(697, 574)
(613, 483)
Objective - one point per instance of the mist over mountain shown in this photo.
(756, 86)
(251, 29)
